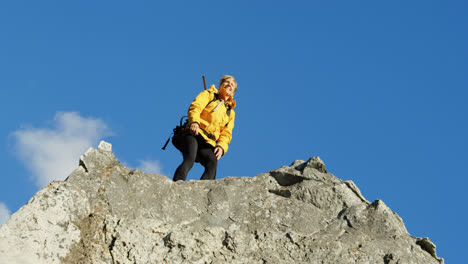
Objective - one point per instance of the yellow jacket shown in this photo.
(213, 119)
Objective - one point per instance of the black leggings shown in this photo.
(195, 149)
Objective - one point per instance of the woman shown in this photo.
(209, 129)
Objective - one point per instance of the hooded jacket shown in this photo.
(215, 124)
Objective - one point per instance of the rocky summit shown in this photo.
(106, 213)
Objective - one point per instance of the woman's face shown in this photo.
(227, 88)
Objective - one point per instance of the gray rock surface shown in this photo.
(106, 213)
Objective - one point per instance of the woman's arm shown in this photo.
(226, 133)
(197, 106)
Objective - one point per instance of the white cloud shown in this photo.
(150, 166)
(4, 213)
(53, 153)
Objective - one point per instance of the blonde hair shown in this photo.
(227, 77)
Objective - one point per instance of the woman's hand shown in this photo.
(194, 128)
(218, 151)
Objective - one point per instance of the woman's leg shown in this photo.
(188, 146)
(208, 160)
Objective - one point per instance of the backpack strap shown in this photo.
(228, 112)
(215, 98)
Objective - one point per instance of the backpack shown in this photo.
(177, 130)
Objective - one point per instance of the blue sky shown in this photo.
(377, 89)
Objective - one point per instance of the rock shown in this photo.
(106, 213)
(44, 230)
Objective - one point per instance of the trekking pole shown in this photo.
(204, 82)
